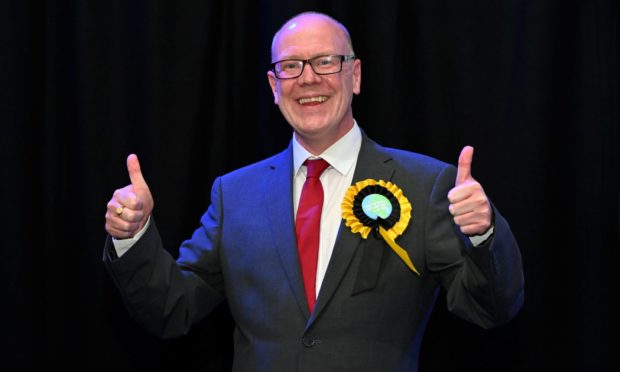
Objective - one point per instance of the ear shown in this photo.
(273, 83)
(357, 76)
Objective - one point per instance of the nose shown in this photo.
(308, 76)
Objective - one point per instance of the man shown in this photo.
(394, 228)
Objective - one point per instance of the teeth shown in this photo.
(312, 99)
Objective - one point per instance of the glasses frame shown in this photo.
(304, 62)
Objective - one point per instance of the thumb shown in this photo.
(135, 174)
(463, 172)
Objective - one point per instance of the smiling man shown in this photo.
(354, 240)
(316, 101)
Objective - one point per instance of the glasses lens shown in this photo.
(326, 64)
(289, 68)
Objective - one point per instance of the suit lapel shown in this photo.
(371, 163)
(280, 211)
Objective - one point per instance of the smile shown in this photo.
(306, 100)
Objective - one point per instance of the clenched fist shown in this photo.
(130, 207)
(469, 204)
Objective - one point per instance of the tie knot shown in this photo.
(316, 167)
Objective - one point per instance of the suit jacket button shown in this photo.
(310, 342)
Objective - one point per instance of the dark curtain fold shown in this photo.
(532, 85)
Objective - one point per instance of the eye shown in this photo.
(289, 65)
(325, 61)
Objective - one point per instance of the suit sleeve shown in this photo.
(165, 296)
(483, 284)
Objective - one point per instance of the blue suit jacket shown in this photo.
(371, 311)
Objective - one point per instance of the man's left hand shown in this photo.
(469, 204)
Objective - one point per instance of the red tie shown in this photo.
(308, 224)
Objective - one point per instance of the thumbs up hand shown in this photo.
(469, 204)
(130, 207)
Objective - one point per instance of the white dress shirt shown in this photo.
(336, 179)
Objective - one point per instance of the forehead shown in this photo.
(307, 36)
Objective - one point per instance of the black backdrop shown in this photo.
(533, 85)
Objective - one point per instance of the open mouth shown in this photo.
(312, 100)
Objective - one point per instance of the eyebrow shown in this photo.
(295, 56)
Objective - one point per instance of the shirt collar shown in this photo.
(341, 155)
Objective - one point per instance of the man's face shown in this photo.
(318, 107)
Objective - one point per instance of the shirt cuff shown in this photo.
(121, 246)
(477, 240)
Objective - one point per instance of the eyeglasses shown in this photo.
(321, 65)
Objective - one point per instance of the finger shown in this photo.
(474, 222)
(474, 228)
(463, 220)
(467, 198)
(469, 218)
(119, 233)
(114, 232)
(463, 172)
(461, 208)
(466, 191)
(127, 198)
(130, 200)
(125, 213)
(460, 193)
(115, 207)
(115, 224)
(135, 173)
(477, 229)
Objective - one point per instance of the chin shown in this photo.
(313, 129)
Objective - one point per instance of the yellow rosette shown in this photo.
(379, 207)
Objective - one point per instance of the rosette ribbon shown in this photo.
(381, 208)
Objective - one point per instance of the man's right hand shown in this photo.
(130, 207)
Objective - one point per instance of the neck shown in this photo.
(316, 145)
